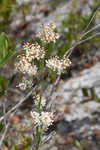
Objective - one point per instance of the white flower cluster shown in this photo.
(58, 65)
(44, 119)
(25, 83)
(48, 34)
(33, 51)
(25, 66)
(38, 98)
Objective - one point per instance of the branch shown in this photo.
(50, 100)
(89, 38)
(6, 129)
(80, 42)
(95, 27)
(4, 134)
(91, 19)
(17, 105)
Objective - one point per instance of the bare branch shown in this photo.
(50, 100)
(89, 38)
(4, 134)
(82, 41)
(6, 129)
(94, 28)
(91, 19)
(18, 105)
(16, 91)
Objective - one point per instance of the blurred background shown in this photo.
(77, 96)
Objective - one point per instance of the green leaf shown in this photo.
(1, 126)
(93, 95)
(85, 92)
(3, 83)
(29, 140)
(5, 60)
(5, 52)
(77, 144)
(3, 45)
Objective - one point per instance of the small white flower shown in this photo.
(45, 119)
(58, 65)
(26, 67)
(25, 83)
(32, 70)
(48, 34)
(28, 82)
(22, 86)
(33, 51)
(36, 118)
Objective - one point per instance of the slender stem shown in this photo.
(82, 41)
(38, 133)
(95, 27)
(94, 14)
(38, 130)
(39, 104)
(37, 139)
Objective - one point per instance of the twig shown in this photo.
(91, 19)
(84, 33)
(82, 36)
(4, 111)
(55, 84)
(18, 105)
(50, 100)
(6, 129)
(89, 38)
(3, 136)
(16, 91)
(53, 133)
(92, 29)
(80, 42)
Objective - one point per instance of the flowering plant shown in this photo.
(28, 64)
